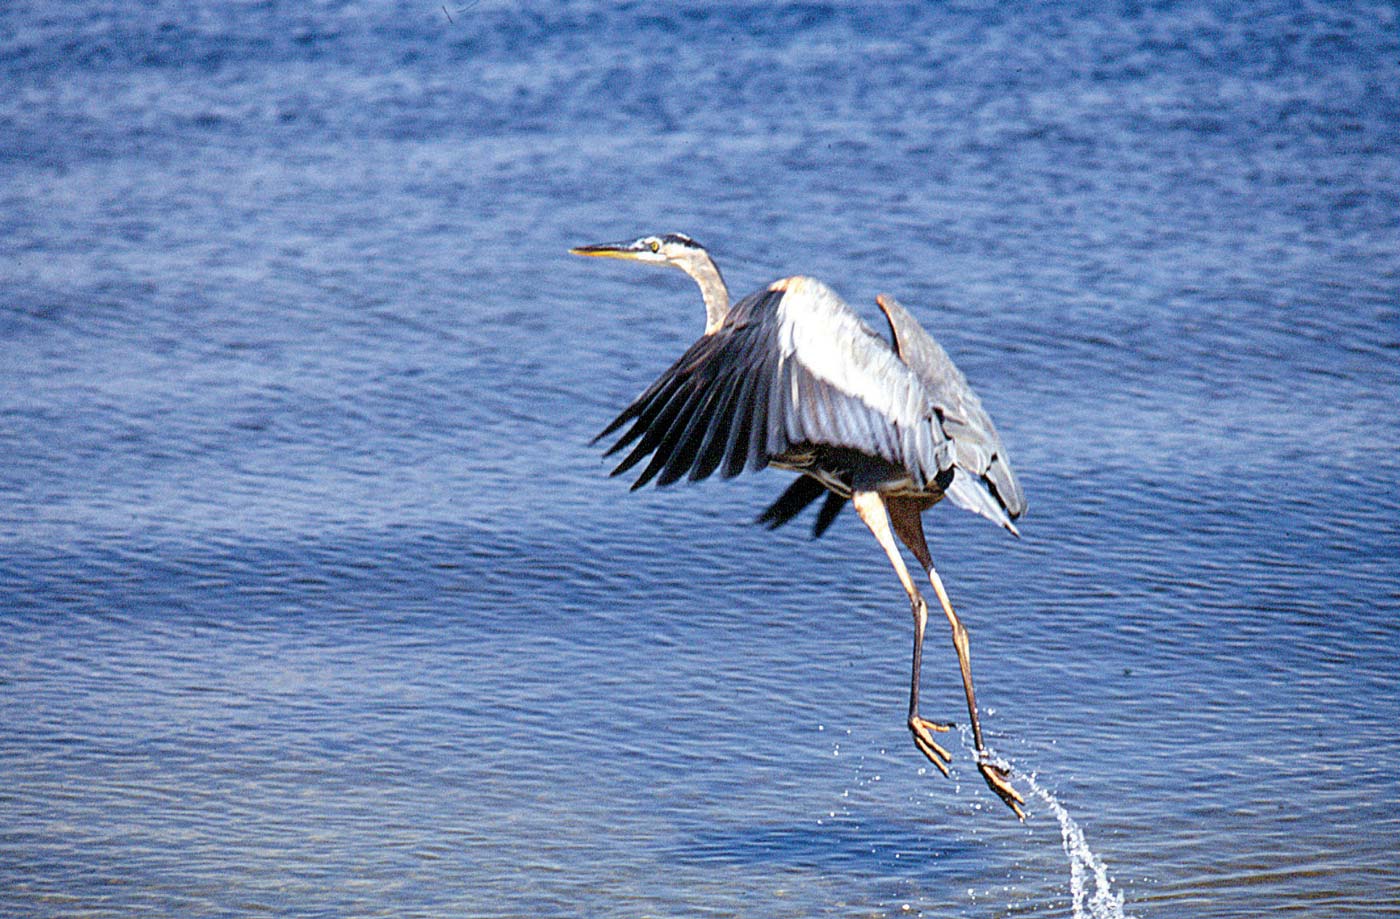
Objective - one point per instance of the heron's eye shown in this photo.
(655, 246)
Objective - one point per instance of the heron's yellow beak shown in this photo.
(627, 250)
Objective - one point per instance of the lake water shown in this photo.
(315, 599)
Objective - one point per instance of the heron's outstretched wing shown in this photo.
(983, 481)
(792, 368)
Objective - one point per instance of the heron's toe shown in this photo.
(997, 780)
(923, 739)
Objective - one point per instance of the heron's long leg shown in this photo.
(904, 514)
(871, 508)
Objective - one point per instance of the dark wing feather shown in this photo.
(686, 455)
(655, 395)
(670, 441)
(655, 426)
(802, 492)
(711, 450)
(793, 367)
(831, 507)
(700, 413)
(983, 481)
(797, 498)
(737, 447)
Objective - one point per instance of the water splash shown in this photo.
(1091, 892)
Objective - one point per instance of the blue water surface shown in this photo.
(315, 599)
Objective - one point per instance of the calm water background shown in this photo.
(314, 599)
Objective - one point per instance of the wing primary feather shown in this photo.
(760, 431)
(831, 507)
(711, 451)
(688, 442)
(734, 415)
(968, 491)
(668, 441)
(645, 418)
(658, 429)
(736, 449)
(626, 414)
(716, 373)
(649, 398)
(802, 492)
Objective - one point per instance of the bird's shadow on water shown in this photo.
(835, 845)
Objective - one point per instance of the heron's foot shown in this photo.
(997, 780)
(922, 730)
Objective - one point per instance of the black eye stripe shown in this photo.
(680, 239)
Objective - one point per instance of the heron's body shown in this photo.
(791, 377)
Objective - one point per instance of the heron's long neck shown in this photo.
(712, 287)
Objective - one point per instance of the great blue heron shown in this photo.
(791, 377)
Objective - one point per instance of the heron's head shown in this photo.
(678, 251)
(674, 249)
